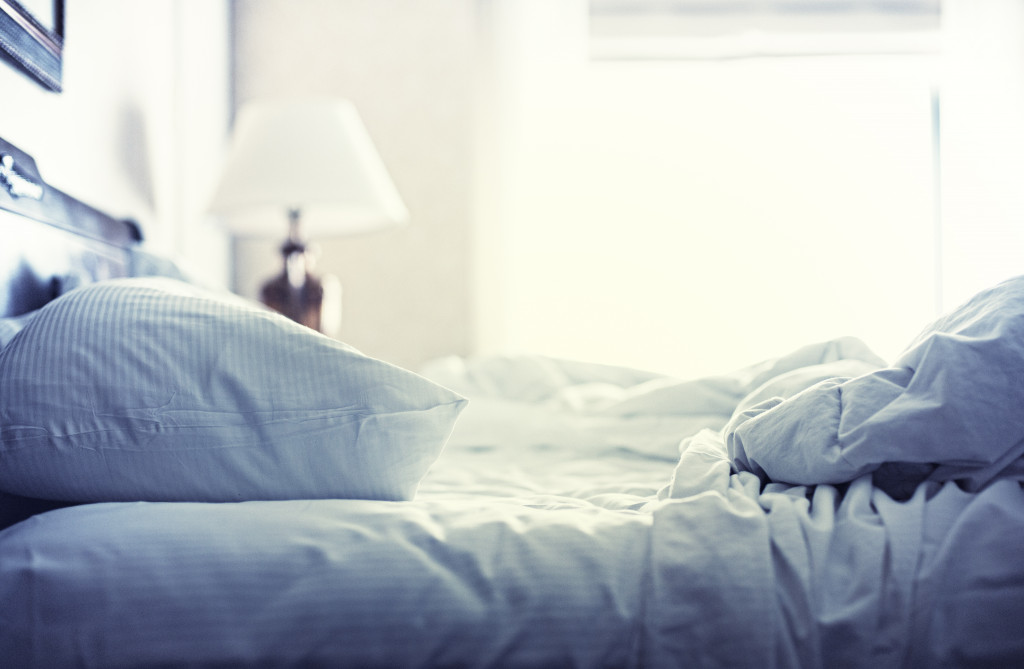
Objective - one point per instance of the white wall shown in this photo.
(141, 121)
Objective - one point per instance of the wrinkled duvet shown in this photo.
(821, 509)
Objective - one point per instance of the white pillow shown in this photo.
(12, 325)
(153, 389)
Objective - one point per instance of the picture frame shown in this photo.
(32, 39)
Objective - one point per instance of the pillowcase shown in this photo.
(12, 325)
(153, 389)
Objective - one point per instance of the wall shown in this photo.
(140, 125)
(408, 66)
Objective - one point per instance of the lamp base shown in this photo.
(302, 304)
(296, 292)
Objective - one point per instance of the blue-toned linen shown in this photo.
(322, 583)
(517, 553)
(11, 326)
(586, 517)
(950, 408)
(154, 389)
(749, 574)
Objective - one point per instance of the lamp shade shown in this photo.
(314, 156)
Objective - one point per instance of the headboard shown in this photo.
(49, 241)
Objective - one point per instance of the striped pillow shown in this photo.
(153, 389)
(12, 325)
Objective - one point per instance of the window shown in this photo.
(708, 29)
(692, 215)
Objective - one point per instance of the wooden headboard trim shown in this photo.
(51, 242)
(62, 210)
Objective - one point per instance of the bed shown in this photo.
(189, 480)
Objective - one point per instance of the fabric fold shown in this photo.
(947, 409)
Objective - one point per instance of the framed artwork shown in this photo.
(32, 38)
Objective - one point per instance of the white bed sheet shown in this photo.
(580, 516)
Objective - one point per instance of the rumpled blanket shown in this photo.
(948, 409)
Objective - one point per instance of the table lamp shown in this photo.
(312, 165)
